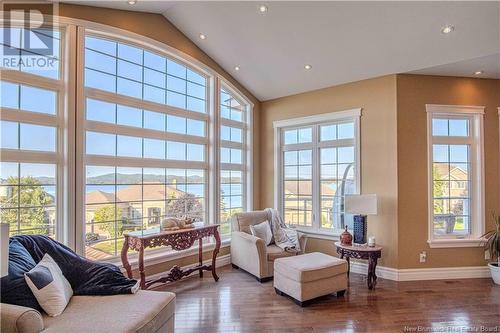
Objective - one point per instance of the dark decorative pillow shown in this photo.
(14, 289)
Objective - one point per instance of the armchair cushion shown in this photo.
(19, 319)
(275, 252)
(263, 231)
(242, 221)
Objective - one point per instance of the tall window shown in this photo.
(318, 165)
(113, 134)
(234, 117)
(455, 165)
(145, 142)
(32, 95)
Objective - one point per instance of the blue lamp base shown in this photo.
(359, 233)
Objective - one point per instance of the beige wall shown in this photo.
(413, 92)
(377, 98)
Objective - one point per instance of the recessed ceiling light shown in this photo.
(308, 66)
(263, 8)
(131, 2)
(478, 72)
(236, 68)
(447, 29)
(202, 36)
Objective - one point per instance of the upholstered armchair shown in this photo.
(251, 253)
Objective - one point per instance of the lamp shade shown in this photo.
(364, 204)
(4, 249)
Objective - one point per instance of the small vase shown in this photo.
(346, 237)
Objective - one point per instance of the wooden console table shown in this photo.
(361, 252)
(179, 240)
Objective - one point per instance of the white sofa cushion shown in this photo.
(143, 312)
(310, 266)
(50, 287)
(262, 231)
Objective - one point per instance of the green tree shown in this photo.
(32, 199)
(111, 225)
(438, 190)
(187, 205)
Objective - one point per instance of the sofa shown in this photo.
(97, 314)
(250, 253)
(103, 299)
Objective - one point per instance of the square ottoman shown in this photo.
(308, 276)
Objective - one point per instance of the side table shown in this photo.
(361, 252)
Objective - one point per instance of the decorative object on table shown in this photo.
(181, 239)
(361, 252)
(492, 244)
(4, 249)
(346, 237)
(360, 206)
(371, 241)
(173, 223)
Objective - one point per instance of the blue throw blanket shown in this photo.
(85, 276)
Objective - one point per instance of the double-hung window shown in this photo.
(33, 95)
(455, 175)
(317, 164)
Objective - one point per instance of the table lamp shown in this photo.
(4, 249)
(360, 206)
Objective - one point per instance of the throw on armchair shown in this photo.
(250, 253)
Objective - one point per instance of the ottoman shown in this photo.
(308, 276)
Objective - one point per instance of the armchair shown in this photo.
(250, 253)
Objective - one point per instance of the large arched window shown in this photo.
(143, 140)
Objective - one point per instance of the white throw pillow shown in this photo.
(262, 231)
(50, 287)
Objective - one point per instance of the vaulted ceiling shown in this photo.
(343, 42)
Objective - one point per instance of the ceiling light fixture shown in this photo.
(236, 68)
(447, 29)
(202, 36)
(478, 72)
(263, 8)
(131, 2)
(308, 67)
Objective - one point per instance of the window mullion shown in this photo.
(316, 179)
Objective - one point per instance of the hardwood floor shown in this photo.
(238, 303)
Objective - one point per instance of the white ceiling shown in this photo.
(343, 41)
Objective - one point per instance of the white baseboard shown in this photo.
(417, 274)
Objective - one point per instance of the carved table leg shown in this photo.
(200, 255)
(125, 262)
(214, 255)
(348, 265)
(372, 276)
(141, 267)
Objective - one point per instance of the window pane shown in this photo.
(459, 127)
(155, 61)
(129, 70)
(9, 95)
(195, 152)
(154, 148)
(154, 120)
(100, 62)
(101, 111)
(130, 146)
(130, 53)
(195, 127)
(100, 80)
(328, 132)
(176, 150)
(439, 127)
(101, 45)
(9, 135)
(346, 131)
(291, 137)
(100, 144)
(38, 100)
(129, 88)
(305, 135)
(154, 78)
(35, 137)
(176, 124)
(129, 116)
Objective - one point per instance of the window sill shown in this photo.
(333, 236)
(159, 256)
(456, 242)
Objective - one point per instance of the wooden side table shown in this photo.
(179, 240)
(361, 252)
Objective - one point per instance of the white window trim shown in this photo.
(477, 166)
(278, 125)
